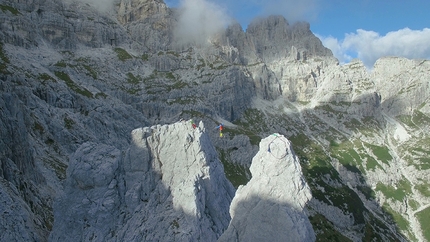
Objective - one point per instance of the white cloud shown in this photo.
(369, 46)
(336, 47)
(199, 20)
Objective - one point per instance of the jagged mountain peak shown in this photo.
(273, 38)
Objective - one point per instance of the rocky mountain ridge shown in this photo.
(71, 75)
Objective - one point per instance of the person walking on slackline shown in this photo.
(220, 127)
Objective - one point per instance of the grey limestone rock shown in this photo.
(169, 185)
(270, 207)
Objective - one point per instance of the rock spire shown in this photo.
(270, 207)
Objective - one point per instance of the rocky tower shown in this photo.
(168, 186)
(270, 206)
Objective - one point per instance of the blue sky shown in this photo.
(361, 29)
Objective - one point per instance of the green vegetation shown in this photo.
(417, 154)
(174, 53)
(382, 153)
(325, 231)
(371, 163)
(423, 188)
(236, 174)
(37, 126)
(316, 155)
(424, 218)
(413, 204)
(45, 77)
(133, 79)
(374, 228)
(12, 10)
(160, 82)
(132, 91)
(175, 224)
(61, 64)
(252, 123)
(367, 191)
(68, 123)
(49, 141)
(424, 163)
(63, 76)
(253, 120)
(368, 127)
(91, 71)
(347, 156)
(145, 57)
(399, 193)
(320, 175)
(122, 54)
(318, 172)
(201, 64)
(101, 95)
(58, 167)
(219, 65)
(170, 75)
(401, 222)
(4, 60)
(254, 138)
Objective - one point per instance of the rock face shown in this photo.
(75, 82)
(168, 186)
(270, 207)
(273, 38)
(402, 84)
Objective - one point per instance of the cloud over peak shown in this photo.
(369, 46)
(199, 20)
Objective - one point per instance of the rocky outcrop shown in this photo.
(168, 186)
(149, 24)
(140, 10)
(270, 207)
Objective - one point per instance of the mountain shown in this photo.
(168, 186)
(77, 84)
